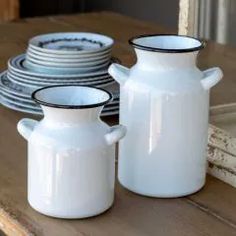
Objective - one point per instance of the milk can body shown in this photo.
(71, 153)
(164, 104)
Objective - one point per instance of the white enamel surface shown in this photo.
(168, 42)
(165, 109)
(71, 161)
(211, 77)
(72, 96)
(68, 175)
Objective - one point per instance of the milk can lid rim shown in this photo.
(166, 50)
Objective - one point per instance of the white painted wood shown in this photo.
(188, 17)
(223, 174)
(222, 140)
(221, 151)
(224, 117)
(221, 158)
(183, 17)
(195, 20)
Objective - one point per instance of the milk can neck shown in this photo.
(71, 116)
(160, 60)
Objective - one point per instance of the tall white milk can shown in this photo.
(164, 104)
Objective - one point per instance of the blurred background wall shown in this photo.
(30, 8)
(163, 12)
(216, 19)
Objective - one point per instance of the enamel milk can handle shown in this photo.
(116, 133)
(211, 77)
(119, 73)
(26, 126)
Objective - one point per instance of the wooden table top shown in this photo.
(208, 212)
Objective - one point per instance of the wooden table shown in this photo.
(212, 211)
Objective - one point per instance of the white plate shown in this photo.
(15, 107)
(13, 88)
(88, 57)
(21, 107)
(22, 91)
(52, 65)
(110, 108)
(63, 70)
(110, 113)
(18, 102)
(55, 82)
(33, 83)
(71, 43)
(114, 104)
(111, 105)
(66, 63)
(30, 104)
(36, 112)
(14, 96)
(17, 64)
(35, 86)
(62, 80)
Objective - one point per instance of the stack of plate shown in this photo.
(69, 53)
(59, 58)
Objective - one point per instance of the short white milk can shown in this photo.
(164, 104)
(71, 152)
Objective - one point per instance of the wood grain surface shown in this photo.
(210, 212)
